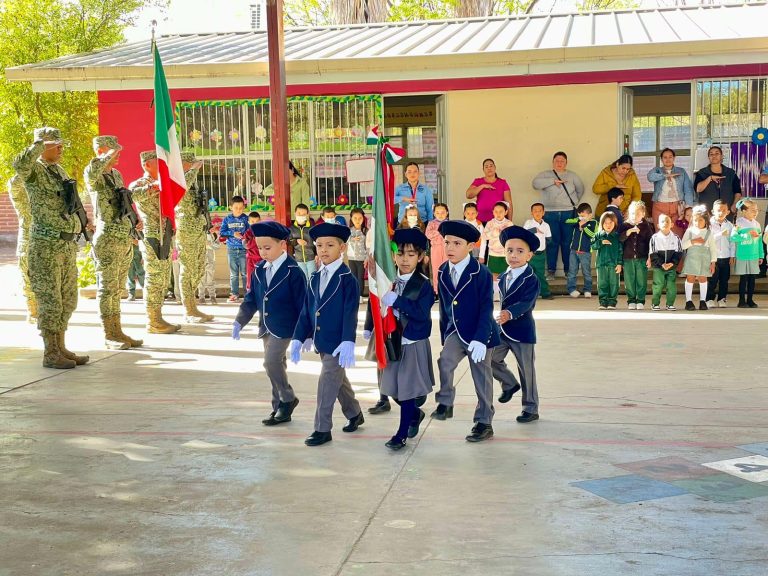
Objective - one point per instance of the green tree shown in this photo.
(37, 30)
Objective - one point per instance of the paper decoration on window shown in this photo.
(360, 169)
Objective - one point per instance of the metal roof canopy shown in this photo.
(511, 45)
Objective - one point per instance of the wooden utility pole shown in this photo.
(278, 116)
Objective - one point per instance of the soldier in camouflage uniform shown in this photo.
(20, 201)
(192, 227)
(112, 243)
(157, 244)
(52, 244)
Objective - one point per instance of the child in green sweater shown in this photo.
(749, 251)
(610, 257)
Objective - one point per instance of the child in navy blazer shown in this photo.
(278, 290)
(408, 375)
(328, 321)
(467, 328)
(519, 289)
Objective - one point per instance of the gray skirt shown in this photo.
(697, 261)
(412, 376)
(746, 267)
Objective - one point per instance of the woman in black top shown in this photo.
(717, 182)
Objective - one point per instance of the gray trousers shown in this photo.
(526, 368)
(454, 350)
(333, 384)
(275, 366)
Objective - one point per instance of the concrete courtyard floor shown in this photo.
(651, 457)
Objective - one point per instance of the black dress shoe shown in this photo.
(480, 432)
(742, 304)
(380, 407)
(318, 438)
(413, 429)
(284, 411)
(527, 417)
(442, 412)
(703, 305)
(395, 443)
(270, 421)
(690, 305)
(751, 304)
(506, 395)
(354, 423)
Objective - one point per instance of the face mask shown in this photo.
(582, 218)
(301, 220)
(413, 220)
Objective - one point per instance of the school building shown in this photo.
(451, 93)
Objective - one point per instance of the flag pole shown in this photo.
(160, 210)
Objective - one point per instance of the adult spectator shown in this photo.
(414, 192)
(561, 191)
(299, 188)
(620, 175)
(717, 182)
(672, 188)
(489, 190)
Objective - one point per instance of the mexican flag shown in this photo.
(170, 170)
(381, 278)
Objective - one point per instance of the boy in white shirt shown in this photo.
(721, 228)
(538, 263)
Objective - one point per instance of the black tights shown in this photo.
(746, 287)
(407, 415)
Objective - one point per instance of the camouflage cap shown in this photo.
(109, 142)
(188, 157)
(147, 155)
(48, 134)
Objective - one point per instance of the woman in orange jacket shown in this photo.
(621, 175)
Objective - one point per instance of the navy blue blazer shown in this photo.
(280, 303)
(330, 319)
(415, 308)
(470, 305)
(519, 301)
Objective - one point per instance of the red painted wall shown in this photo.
(128, 113)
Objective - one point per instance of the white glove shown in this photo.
(389, 298)
(346, 354)
(307, 346)
(295, 351)
(367, 335)
(477, 351)
(236, 327)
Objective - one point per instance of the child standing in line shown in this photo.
(681, 225)
(408, 377)
(252, 256)
(356, 252)
(467, 327)
(412, 219)
(519, 287)
(615, 200)
(700, 257)
(303, 248)
(636, 236)
(749, 251)
(278, 291)
(538, 262)
(135, 272)
(232, 228)
(491, 239)
(470, 215)
(328, 321)
(609, 260)
(208, 283)
(436, 242)
(721, 228)
(665, 253)
(585, 228)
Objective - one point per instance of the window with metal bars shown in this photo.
(728, 111)
(233, 140)
(650, 135)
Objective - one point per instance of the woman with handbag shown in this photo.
(672, 188)
(561, 191)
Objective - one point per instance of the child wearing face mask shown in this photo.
(303, 247)
(470, 215)
(496, 261)
(585, 228)
(437, 242)
(411, 219)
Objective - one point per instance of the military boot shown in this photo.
(32, 311)
(194, 315)
(122, 336)
(156, 324)
(79, 360)
(52, 357)
(112, 339)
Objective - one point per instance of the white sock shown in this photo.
(688, 291)
(703, 290)
(495, 286)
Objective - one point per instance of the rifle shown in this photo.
(74, 206)
(123, 203)
(202, 207)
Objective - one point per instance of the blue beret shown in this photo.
(461, 229)
(522, 234)
(410, 236)
(330, 229)
(271, 229)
